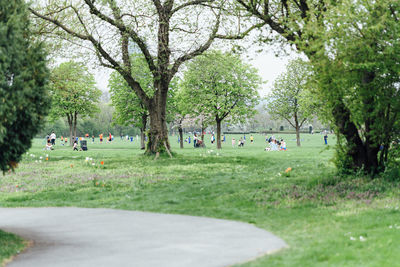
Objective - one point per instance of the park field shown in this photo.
(326, 219)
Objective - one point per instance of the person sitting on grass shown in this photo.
(75, 147)
(49, 146)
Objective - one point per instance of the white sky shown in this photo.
(268, 65)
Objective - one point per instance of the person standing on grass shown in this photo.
(109, 137)
(93, 139)
(233, 142)
(326, 138)
(62, 140)
(53, 138)
(251, 139)
(101, 138)
(75, 147)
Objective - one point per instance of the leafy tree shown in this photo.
(219, 86)
(24, 100)
(291, 98)
(167, 33)
(358, 56)
(73, 93)
(130, 110)
(354, 58)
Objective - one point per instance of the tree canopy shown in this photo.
(24, 100)
(291, 97)
(220, 86)
(166, 33)
(74, 93)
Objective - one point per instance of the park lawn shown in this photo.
(9, 246)
(320, 215)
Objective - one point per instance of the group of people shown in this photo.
(242, 141)
(274, 144)
(50, 141)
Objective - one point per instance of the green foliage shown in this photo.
(24, 100)
(356, 63)
(220, 86)
(291, 97)
(129, 109)
(73, 91)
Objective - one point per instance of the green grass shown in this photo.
(313, 210)
(9, 245)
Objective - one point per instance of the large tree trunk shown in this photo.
(70, 133)
(69, 118)
(355, 147)
(142, 137)
(218, 134)
(180, 136)
(142, 131)
(158, 133)
(296, 121)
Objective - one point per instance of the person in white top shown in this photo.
(53, 138)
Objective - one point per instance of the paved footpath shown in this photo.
(104, 237)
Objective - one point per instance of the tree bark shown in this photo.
(219, 134)
(180, 136)
(355, 147)
(296, 121)
(142, 131)
(69, 119)
(74, 122)
(158, 133)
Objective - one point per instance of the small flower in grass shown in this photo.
(102, 162)
(47, 158)
(87, 159)
(93, 164)
(47, 155)
(362, 239)
(352, 238)
(72, 165)
(40, 157)
(288, 170)
(17, 186)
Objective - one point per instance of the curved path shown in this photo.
(106, 237)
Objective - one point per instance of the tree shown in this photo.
(219, 86)
(24, 99)
(317, 29)
(167, 33)
(291, 98)
(129, 109)
(180, 111)
(358, 55)
(73, 93)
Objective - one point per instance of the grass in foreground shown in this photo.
(326, 220)
(9, 246)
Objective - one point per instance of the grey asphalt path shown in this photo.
(104, 237)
